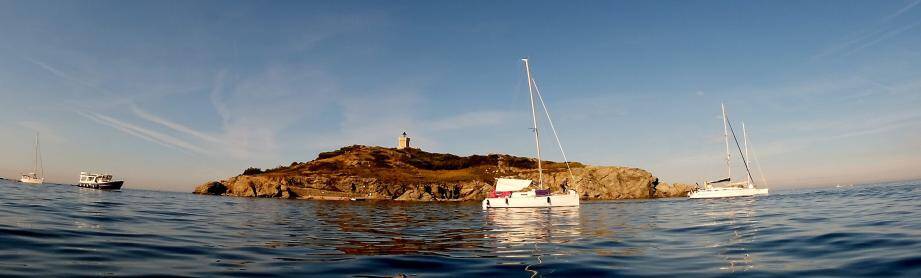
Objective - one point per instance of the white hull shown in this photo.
(32, 180)
(36, 176)
(564, 200)
(724, 192)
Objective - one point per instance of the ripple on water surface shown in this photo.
(63, 230)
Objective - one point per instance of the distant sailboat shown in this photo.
(37, 174)
(509, 194)
(731, 189)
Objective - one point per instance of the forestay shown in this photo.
(503, 185)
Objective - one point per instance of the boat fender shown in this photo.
(548, 199)
(487, 203)
(506, 201)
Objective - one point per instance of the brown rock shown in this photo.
(211, 188)
(412, 174)
(665, 190)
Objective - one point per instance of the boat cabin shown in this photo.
(512, 188)
(94, 178)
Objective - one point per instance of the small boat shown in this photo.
(35, 177)
(510, 193)
(99, 181)
(731, 189)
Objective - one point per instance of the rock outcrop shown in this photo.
(414, 175)
(665, 190)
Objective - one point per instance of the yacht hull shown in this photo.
(103, 185)
(30, 180)
(727, 192)
(563, 200)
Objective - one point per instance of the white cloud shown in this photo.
(174, 126)
(902, 10)
(254, 109)
(60, 73)
(868, 37)
(143, 133)
(883, 36)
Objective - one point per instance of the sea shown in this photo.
(59, 230)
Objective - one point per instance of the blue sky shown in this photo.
(171, 94)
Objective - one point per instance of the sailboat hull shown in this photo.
(564, 200)
(31, 180)
(727, 192)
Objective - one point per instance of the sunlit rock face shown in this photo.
(414, 175)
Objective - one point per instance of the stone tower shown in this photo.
(403, 142)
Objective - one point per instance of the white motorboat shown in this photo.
(35, 177)
(511, 193)
(99, 181)
(725, 187)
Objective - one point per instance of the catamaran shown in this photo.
(730, 189)
(36, 176)
(511, 193)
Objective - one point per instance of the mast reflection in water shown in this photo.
(523, 236)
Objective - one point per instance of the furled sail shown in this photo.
(719, 181)
(511, 184)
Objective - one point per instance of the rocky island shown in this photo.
(409, 174)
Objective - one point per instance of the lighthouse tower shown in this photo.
(403, 142)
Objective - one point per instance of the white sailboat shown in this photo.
(730, 189)
(37, 175)
(509, 192)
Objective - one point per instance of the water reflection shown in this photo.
(517, 226)
(394, 229)
(54, 230)
(736, 223)
(520, 234)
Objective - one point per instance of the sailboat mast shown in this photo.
(747, 158)
(41, 162)
(35, 152)
(540, 170)
(726, 137)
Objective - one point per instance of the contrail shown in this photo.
(174, 126)
(146, 134)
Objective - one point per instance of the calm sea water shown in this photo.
(56, 230)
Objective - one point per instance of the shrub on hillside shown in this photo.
(252, 171)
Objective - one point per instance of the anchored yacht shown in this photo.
(36, 176)
(99, 181)
(725, 187)
(511, 193)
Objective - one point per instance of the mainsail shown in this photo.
(719, 181)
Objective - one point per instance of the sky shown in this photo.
(171, 94)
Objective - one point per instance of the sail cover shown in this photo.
(719, 181)
(511, 184)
